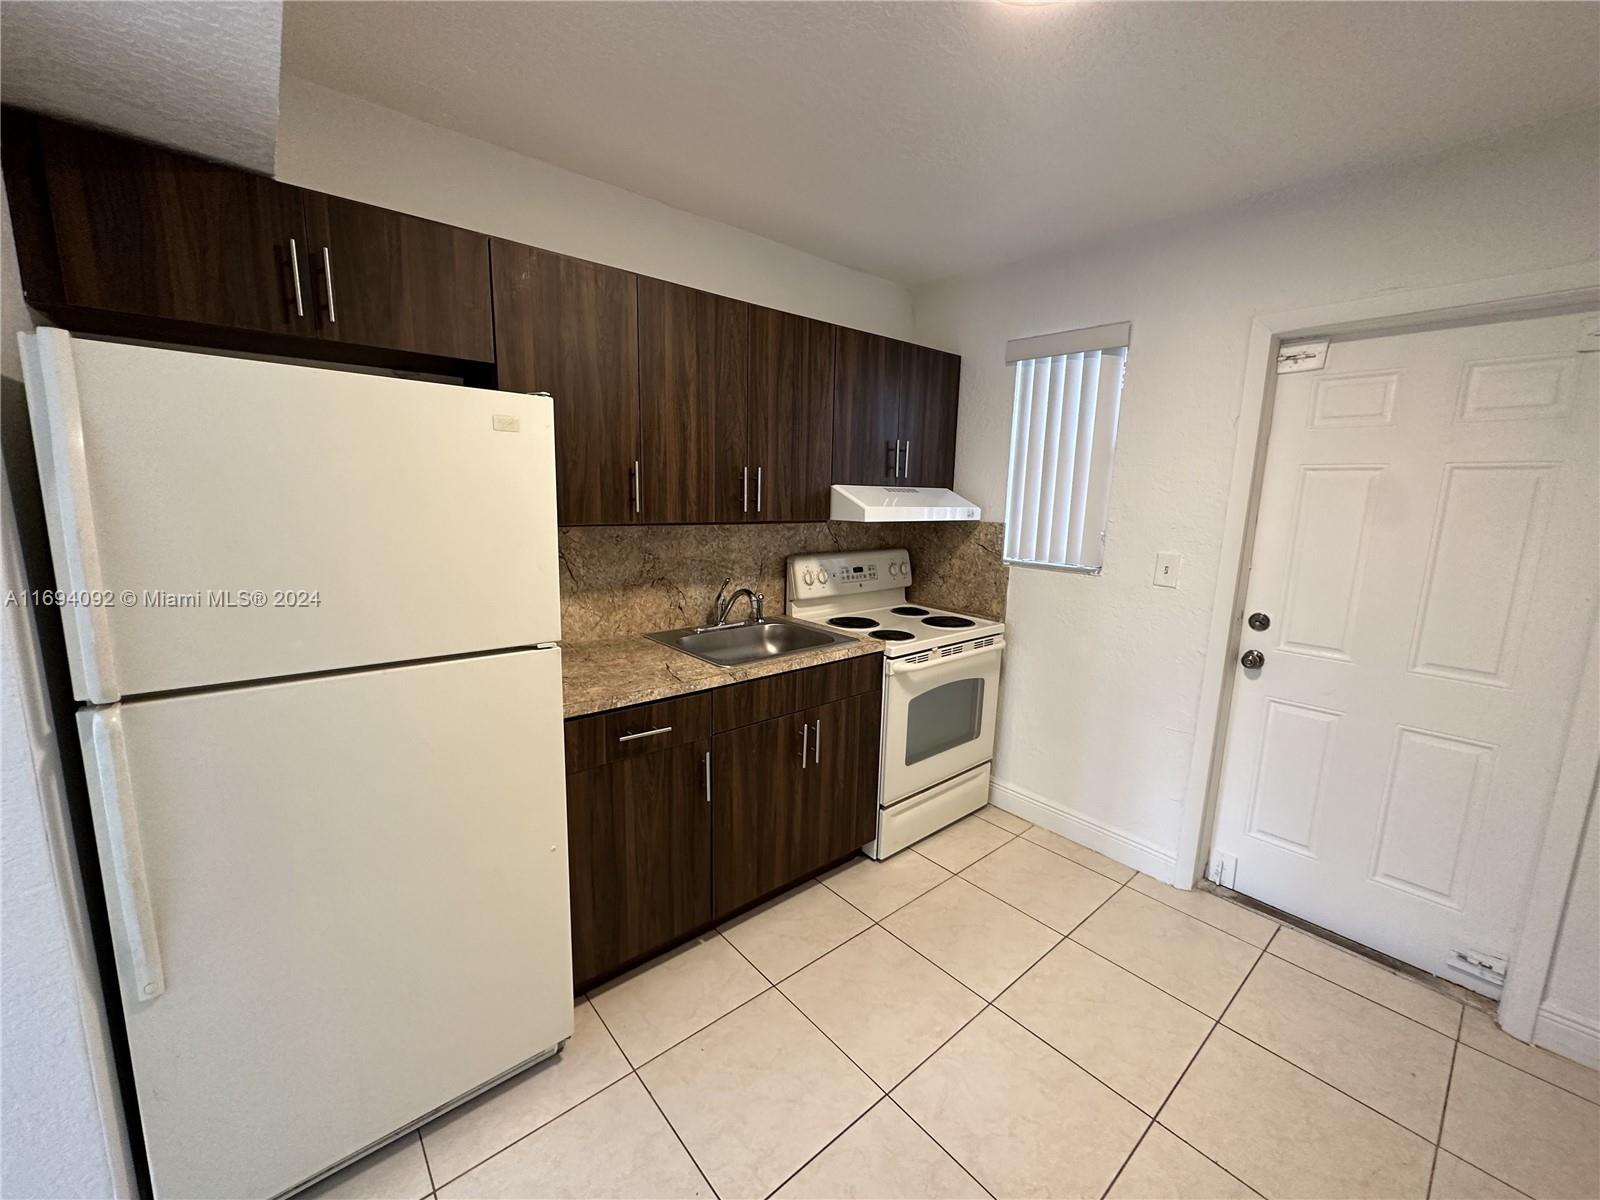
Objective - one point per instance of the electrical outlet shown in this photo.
(1168, 567)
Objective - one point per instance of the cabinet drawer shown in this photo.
(643, 729)
(778, 695)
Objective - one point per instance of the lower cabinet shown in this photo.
(639, 856)
(683, 811)
(792, 795)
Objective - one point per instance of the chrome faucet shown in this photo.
(720, 608)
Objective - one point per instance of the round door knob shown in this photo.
(1259, 622)
(1251, 660)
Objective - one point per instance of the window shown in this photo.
(1067, 390)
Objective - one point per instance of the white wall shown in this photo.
(60, 1120)
(1569, 1018)
(1100, 696)
(337, 143)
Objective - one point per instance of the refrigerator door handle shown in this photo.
(50, 373)
(126, 853)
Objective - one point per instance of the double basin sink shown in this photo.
(748, 641)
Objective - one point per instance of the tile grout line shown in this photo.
(433, 1186)
(1364, 996)
(943, 1149)
(634, 1072)
(1552, 1083)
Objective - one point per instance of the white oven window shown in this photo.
(948, 716)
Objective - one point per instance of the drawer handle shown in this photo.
(634, 737)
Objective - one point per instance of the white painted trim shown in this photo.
(1551, 880)
(1128, 849)
(1574, 286)
(1567, 1034)
(1570, 287)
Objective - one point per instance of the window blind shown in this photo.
(1063, 428)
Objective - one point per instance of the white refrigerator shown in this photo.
(311, 618)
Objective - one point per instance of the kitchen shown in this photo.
(778, 763)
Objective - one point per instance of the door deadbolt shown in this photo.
(1251, 660)
(1259, 622)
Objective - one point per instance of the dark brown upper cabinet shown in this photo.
(928, 418)
(894, 414)
(383, 278)
(694, 381)
(115, 226)
(791, 426)
(867, 381)
(571, 328)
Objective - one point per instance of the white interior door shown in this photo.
(1426, 555)
(337, 904)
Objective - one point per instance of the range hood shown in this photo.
(869, 502)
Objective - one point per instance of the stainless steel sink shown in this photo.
(748, 641)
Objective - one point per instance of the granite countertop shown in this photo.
(596, 676)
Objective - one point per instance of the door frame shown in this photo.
(1570, 288)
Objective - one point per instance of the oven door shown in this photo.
(939, 715)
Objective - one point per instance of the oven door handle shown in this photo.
(906, 666)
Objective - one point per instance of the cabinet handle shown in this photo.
(805, 736)
(758, 489)
(294, 266)
(816, 745)
(638, 485)
(708, 777)
(634, 737)
(744, 489)
(327, 273)
(905, 471)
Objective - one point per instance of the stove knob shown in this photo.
(810, 577)
(822, 575)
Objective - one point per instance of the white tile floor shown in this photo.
(1045, 1022)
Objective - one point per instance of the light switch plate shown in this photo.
(1168, 568)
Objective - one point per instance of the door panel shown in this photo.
(758, 796)
(792, 405)
(383, 278)
(694, 369)
(142, 230)
(868, 378)
(369, 921)
(1426, 555)
(928, 417)
(570, 328)
(844, 786)
(640, 849)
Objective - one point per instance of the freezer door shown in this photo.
(217, 520)
(337, 904)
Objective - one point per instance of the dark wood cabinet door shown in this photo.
(791, 403)
(639, 846)
(395, 281)
(149, 233)
(694, 371)
(868, 372)
(570, 328)
(928, 417)
(757, 793)
(842, 782)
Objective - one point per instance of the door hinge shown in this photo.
(1491, 968)
(1302, 356)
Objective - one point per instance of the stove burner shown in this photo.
(852, 622)
(909, 610)
(891, 635)
(949, 622)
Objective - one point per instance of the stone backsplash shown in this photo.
(617, 581)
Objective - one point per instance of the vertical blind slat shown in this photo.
(1063, 431)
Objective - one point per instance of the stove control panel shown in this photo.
(813, 576)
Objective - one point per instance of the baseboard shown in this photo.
(1567, 1034)
(1048, 814)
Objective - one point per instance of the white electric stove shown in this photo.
(941, 683)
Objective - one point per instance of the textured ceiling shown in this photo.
(920, 140)
(198, 76)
